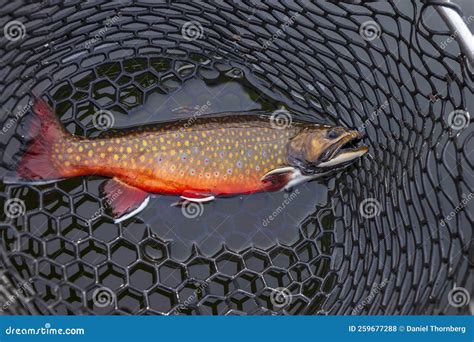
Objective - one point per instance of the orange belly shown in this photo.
(219, 158)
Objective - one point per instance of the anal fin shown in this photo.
(124, 200)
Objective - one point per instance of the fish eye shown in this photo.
(332, 134)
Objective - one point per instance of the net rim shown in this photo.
(458, 26)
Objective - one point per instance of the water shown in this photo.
(179, 89)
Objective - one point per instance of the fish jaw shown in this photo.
(341, 154)
(345, 156)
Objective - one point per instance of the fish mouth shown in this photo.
(344, 151)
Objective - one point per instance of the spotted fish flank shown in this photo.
(219, 162)
(217, 156)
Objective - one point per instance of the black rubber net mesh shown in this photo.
(400, 85)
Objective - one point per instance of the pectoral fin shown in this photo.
(278, 178)
(124, 200)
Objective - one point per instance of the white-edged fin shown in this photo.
(187, 199)
(298, 178)
(134, 211)
(200, 199)
(124, 200)
(281, 170)
(343, 157)
(277, 179)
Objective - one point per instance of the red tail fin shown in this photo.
(35, 164)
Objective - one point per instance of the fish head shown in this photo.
(320, 148)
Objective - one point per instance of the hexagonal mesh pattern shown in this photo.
(127, 56)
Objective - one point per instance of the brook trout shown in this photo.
(217, 156)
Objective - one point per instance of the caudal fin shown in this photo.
(35, 165)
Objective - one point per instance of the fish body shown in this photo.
(223, 155)
(216, 156)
